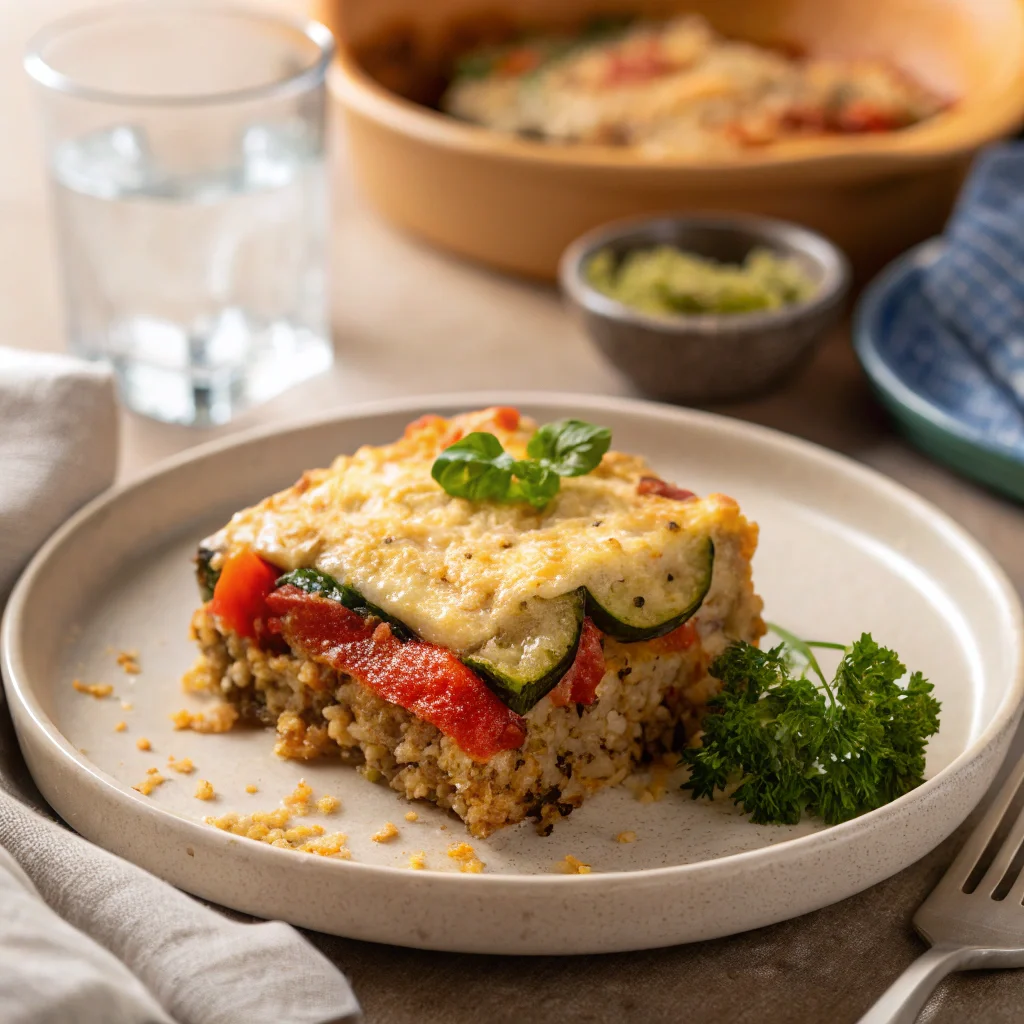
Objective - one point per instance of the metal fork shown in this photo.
(974, 917)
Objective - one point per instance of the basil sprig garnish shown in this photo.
(478, 468)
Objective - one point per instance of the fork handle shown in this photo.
(903, 1000)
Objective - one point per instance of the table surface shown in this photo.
(409, 320)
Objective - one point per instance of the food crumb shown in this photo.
(120, 727)
(626, 837)
(126, 705)
(386, 834)
(149, 783)
(571, 865)
(129, 661)
(467, 858)
(298, 800)
(220, 718)
(204, 791)
(328, 804)
(97, 690)
(271, 827)
(418, 861)
(185, 765)
(152, 770)
(143, 744)
(252, 789)
(411, 816)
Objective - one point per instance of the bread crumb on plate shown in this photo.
(297, 801)
(129, 661)
(386, 834)
(570, 865)
(272, 827)
(328, 804)
(204, 791)
(97, 690)
(466, 857)
(149, 783)
(143, 744)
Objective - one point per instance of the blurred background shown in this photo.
(445, 238)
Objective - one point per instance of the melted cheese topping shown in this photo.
(457, 571)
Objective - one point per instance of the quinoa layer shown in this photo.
(648, 702)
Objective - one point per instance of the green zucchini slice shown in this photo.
(627, 612)
(206, 575)
(528, 659)
(313, 581)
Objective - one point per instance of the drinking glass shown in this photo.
(185, 145)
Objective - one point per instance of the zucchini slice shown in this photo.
(313, 581)
(206, 575)
(527, 660)
(628, 613)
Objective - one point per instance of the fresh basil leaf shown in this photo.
(535, 483)
(570, 447)
(477, 468)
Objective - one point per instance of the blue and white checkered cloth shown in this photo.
(977, 285)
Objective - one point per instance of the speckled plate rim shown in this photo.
(448, 895)
(866, 331)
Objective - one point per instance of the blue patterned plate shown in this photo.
(940, 396)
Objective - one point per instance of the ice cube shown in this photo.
(271, 154)
(106, 163)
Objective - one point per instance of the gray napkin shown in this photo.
(84, 935)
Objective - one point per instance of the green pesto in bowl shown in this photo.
(665, 280)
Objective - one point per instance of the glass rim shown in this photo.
(46, 75)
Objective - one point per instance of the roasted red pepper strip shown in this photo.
(682, 638)
(654, 485)
(579, 684)
(239, 598)
(423, 678)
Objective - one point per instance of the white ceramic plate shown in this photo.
(842, 550)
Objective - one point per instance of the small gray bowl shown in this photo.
(716, 357)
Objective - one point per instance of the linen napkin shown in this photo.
(84, 935)
(977, 285)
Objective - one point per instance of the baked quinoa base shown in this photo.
(649, 701)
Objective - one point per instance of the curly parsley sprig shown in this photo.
(478, 468)
(789, 742)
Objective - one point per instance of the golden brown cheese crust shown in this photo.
(457, 571)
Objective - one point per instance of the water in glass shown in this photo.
(206, 290)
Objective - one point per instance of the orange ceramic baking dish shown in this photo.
(515, 204)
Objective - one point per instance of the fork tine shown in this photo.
(1016, 894)
(1004, 857)
(974, 847)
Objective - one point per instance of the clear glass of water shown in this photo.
(186, 149)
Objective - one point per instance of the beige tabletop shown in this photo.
(408, 320)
